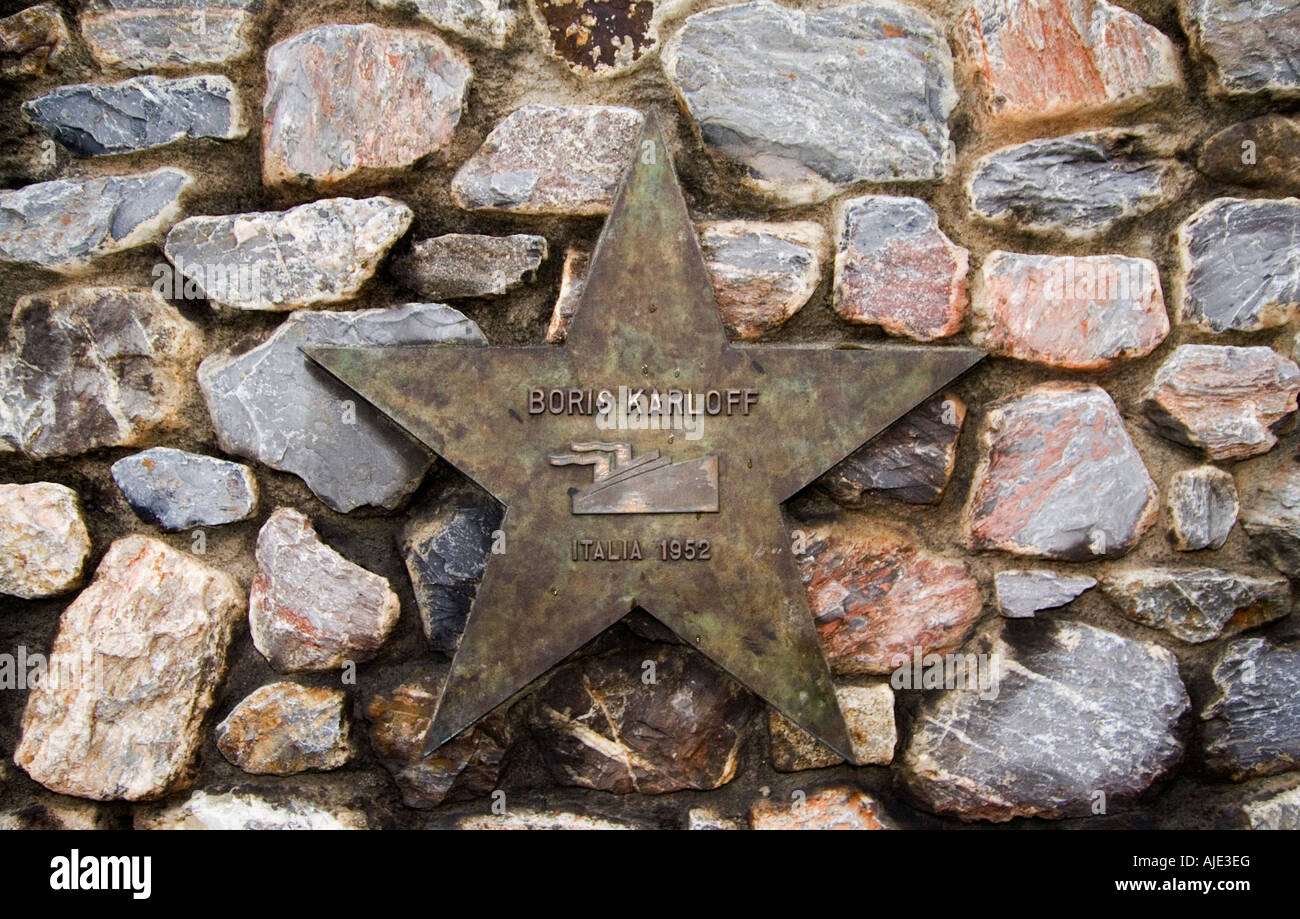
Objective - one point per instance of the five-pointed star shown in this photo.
(647, 320)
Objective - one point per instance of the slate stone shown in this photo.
(1059, 477)
(64, 224)
(351, 100)
(44, 543)
(910, 461)
(1240, 265)
(466, 265)
(762, 272)
(599, 725)
(896, 269)
(167, 34)
(177, 490)
(320, 252)
(285, 729)
(1262, 152)
(1251, 47)
(602, 38)
(485, 22)
(1076, 312)
(1202, 508)
(446, 547)
(90, 367)
(1252, 725)
(838, 808)
(1224, 400)
(272, 405)
(807, 103)
(1021, 594)
(1077, 186)
(1270, 515)
(33, 41)
(551, 159)
(1033, 61)
(94, 119)
(1197, 604)
(1079, 711)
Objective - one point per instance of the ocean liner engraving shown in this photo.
(646, 484)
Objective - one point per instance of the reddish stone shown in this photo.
(32, 41)
(840, 808)
(762, 273)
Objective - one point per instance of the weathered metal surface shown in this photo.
(774, 418)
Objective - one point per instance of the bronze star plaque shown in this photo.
(643, 463)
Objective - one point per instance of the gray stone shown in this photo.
(64, 224)
(177, 490)
(464, 265)
(1079, 712)
(1271, 517)
(168, 34)
(93, 119)
(321, 252)
(1252, 725)
(33, 41)
(43, 540)
(762, 272)
(272, 405)
(1021, 594)
(446, 548)
(309, 608)
(486, 22)
(1202, 508)
(91, 367)
(1077, 186)
(1198, 604)
(1240, 265)
(1280, 811)
(1251, 46)
(811, 102)
(285, 729)
(551, 159)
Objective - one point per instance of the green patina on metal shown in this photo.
(770, 420)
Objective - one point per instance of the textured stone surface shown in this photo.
(465, 265)
(601, 38)
(59, 814)
(168, 35)
(1021, 594)
(343, 100)
(321, 252)
(1240, 265)
(762, 273)
(1198, 604)
(1061, 729)
(139, 655)
(43, 540)
(92, 367)
(839, 808)
(64, 224)
(1250, 46)
(310, 608)
(573, 278)
(808, 103)
(550, 159)
(911, 460)
(1270, 515)
(1280, 811)
(236, 811)
(27, 155)
(1037, 60)
(93, 119)
(284, 728)
(531, 819)
(868, 714)
(896, 269)
(1077, 186)
(1252, 724)
(177, 490)
(1262, 152)
(1222, 399)
(271, 405)
(707, 818)
(600, 725)
(446, 547)
(32, 41)
(876, 597)
(1202, 508)
(465, 767)
(1076, 312)
(485, 22)
(1059, 477)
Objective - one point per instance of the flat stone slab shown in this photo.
(65, 224)
(271, 404)
(167, 35)
(808, 103)
(285, 729)
(177, 490)
(321, 252)
(95, 119)
(1022, 594)
(1250, 48)
(1252, 725)
(1198, 604)
(762, 272)
(1202, 508)
(44, 544)
(459, 265)
(484, 22)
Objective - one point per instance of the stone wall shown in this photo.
(1105, 509)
